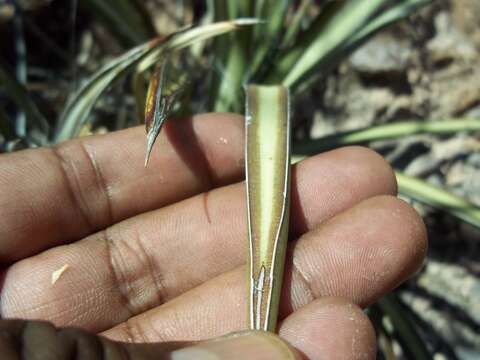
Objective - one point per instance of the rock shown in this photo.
(473, 113)
(446, 296)
(466, 16)
(449, 43)
(454, 284)
(454, 90)
(382, 55)
(321, 127)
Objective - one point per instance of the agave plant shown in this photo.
(280, 45)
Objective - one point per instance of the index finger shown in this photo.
(56, 195)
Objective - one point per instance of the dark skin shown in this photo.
(156, 255)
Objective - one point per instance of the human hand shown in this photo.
(156, 254)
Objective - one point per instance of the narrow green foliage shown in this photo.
(234, 66)
(76, 113)
(22, 99)
(438, 198)
(267, 164)
(330, 30)
(295, 25)
(266, 38)
(384, 132)
(399, 11)
(339, 29)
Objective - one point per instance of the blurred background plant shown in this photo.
(396, 75)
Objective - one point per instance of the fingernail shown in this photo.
(240, 346)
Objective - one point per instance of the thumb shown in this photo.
(41, 340)
(256, 345)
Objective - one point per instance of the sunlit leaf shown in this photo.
(267, 164)
(337, 30)
(384, 132)
(438, 198)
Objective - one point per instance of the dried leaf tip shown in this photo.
(154, 108)
(150, 141)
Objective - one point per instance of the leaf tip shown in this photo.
(248, 21)
(151, 137)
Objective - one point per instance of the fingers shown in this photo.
(330, 328)
(52, 196)
(360, 254)
(147, 260)
(239, 346)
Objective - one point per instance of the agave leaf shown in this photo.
(438, 198)
(78, 109)
(267, 36)
(338, 30)
(397, 12)
(267, 163)
(384, 132)
(22, 99)
(235, 55)
(329, 31)
(161, 96)
(296, 23)
(273, 13)
(410, 187)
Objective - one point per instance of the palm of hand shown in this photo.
(156, 254)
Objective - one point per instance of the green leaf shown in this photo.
(267, 36)
(19, 94)
(267, 164)
(385, 18)
(78, 109)
(338, 30)
(332, 28)
(384, 132)
(411, 187)
(235, 52)
(296, 23)
(438, 198)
